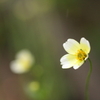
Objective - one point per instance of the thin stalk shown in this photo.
(87, 81)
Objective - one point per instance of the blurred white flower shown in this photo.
(77, 53)
(23, 62)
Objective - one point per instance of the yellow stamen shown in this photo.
(81, 55)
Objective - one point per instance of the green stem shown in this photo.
(87, 80)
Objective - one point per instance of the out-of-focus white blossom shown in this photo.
(23, 62)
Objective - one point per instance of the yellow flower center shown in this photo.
(81, 55)
(25, 63)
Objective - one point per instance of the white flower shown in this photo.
(23, 62)
(77, 53)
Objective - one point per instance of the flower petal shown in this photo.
(67, 61)
(66, 66)
(25, 55)
(78, 64)
(18, 67)
(71, 46)
(86, 57)
(85, 45)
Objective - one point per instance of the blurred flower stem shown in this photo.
(87, 81)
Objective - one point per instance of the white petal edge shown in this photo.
(66, 66)
(67, 61)
(85, 45)
(17, 67)
(71, 46)
(25, 55)
(78, 64)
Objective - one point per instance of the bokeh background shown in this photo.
(42, 26)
